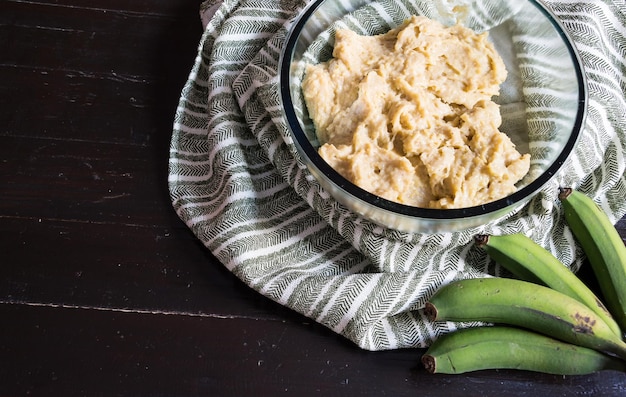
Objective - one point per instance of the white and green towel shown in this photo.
(236, 180)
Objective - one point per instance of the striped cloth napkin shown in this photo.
(236, 181)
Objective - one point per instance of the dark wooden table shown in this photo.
(103, 290)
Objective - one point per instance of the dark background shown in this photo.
(103, 290)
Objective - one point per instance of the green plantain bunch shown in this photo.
(546, 319)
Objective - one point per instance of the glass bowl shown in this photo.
(543, 100)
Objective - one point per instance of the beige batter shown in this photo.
(408, 115)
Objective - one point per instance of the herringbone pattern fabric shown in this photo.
(237, 182)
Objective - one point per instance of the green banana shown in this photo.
(603, 247)
(529, 261)
(501, 347)
(527, 305)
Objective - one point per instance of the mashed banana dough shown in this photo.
(408, 115)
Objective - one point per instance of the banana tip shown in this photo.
(429, 363)
(564, 193)
(481, 239)
(430, 311)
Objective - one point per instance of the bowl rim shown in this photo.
(304, 145)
